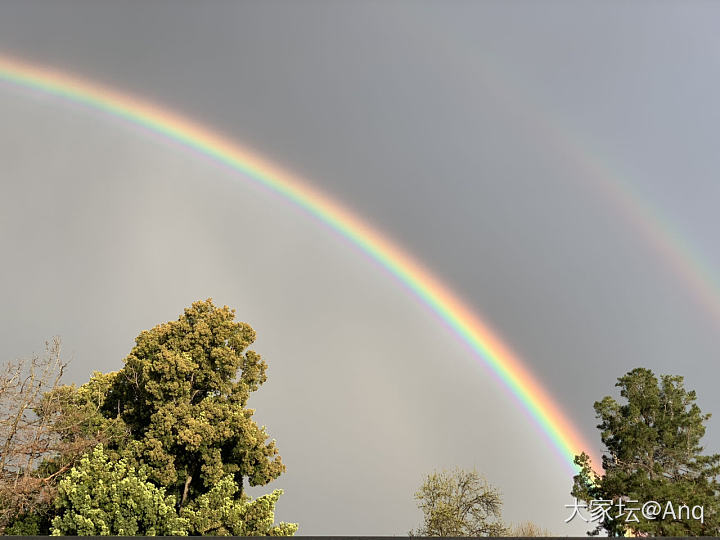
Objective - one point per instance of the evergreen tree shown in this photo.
(176, 439)
(653, 454)
(183, 395)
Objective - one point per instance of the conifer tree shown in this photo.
(183, 394)
(653, 453)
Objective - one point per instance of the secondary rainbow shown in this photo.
(518, 96)
(455, 313)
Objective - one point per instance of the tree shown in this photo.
(78, 423)
(183, 393)
(45, 428)
(38, 419)
(25, 436)
(101, 497)
(174, 420)
(459, 503)
(220, 513)
(653, 453)
(527, 529)
(104, 497)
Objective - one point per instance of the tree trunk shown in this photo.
(185, 491)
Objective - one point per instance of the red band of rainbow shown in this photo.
(461, 319)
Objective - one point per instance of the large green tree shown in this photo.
(183, 394)
(459, 503)
(173, 421)
(653, 453)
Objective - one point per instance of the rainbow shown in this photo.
(484, 341)
(641, 215)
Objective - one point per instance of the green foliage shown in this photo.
(100, 497)
(77, 421)
(35, 523)
(183, 393)
(653, 454)
(45, 428)
(160, 447)
(459, 503)
(219, 513)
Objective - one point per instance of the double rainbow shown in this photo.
(455, 313)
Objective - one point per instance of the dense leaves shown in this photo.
(100, 497)
(183, 393)
(653, 454)
(162, 446)
(220, 513)
(104, 497)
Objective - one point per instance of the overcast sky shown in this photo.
(495, 141)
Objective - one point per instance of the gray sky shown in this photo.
(483, 137)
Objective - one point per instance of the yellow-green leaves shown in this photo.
(101, 497)
(220, 513)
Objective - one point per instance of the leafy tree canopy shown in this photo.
(653, 454)
(104, 497)
(220, 513)
(78, 423)
(100, 497)
(459, 503)
(183, 393)
(160, 447)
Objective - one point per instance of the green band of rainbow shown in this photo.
(485, 342)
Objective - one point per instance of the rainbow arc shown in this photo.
(463, 321)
